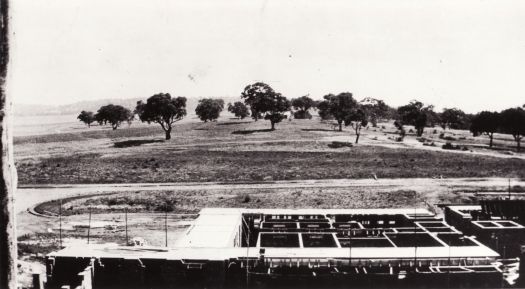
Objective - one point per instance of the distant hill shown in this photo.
(94, 105)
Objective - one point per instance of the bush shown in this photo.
(447, 137)
(449, 146)
(245, 198)
(340, 144)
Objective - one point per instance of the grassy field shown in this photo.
(224, 166)
(192, 201)
(245, 151)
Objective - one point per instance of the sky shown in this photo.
(466, 54)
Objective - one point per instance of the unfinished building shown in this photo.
(268, 248)
(496, 223)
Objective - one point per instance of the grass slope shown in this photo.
(206, 165)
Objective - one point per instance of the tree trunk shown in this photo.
(518, 140)
(419, 131)
(340, 122)
(357, 138)
(273, 125)
(8, 248)
(168, 133)
(491, 136)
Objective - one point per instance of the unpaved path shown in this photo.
(412, 143)
(29, 196)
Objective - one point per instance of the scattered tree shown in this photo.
(86, 117)
(323, 110)
(239, 109)
(433, 118)
(402, 132)
(162, 109)
(416, 114)
(338, 106)
(375, 109)
(209, 109)
(112, 114)
(453, 118)
(485, 122)
(302, 105)
(513, 122)
(255, 95)
(358, 119)
(264, 101)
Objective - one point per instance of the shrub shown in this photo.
(447, 137)
(449, 146)
(245, 198)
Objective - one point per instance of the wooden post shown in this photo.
(166, 225)
(8, 249)
(126, 222)
(89, 224)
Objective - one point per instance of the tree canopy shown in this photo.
(337, 106)
(113, 114)
(209, 109)
(264, 101)
(453, 118)
(239, 109)
(323, 110)
(513, 122)
(86, 117)
(302, 105)
(358, 119)
(485, 122)
(162, 109)
(375, 109)
(256, 96)
(416, 114)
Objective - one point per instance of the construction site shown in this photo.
(313, 248)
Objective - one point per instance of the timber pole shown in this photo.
(8, 249)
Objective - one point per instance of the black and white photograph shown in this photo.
(260, 144)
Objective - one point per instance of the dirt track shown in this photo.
(28, 196)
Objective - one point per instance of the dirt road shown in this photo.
(28, 196)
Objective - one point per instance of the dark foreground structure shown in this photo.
(272, 248)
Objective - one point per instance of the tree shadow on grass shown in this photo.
(319, 129)
(251, 131)
(135, 142)
(233, 122)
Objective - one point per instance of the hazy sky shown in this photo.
(467, 54)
